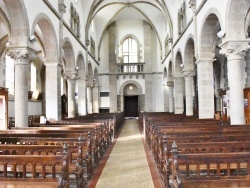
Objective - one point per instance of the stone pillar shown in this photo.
(71, 80)
(148, 66)
(90, 99)
(112, 67)
(171, 96)
(53, 91)
(21, 57)
(96, 99)
(192, 5)
(247, 85)
(235, 53)
(82, 104)
(178, 95)
(166, 97)
(188, 75)
(205, 87)
(62, 10)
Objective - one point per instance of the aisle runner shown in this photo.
(127, 165)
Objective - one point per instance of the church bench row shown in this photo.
(165, 158)
(75, 155)
(99, 135)
(89, 146)
(51, 171)
(113, 120)
(210, 170)
(161, 144)
(189, 132)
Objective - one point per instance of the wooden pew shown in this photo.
(211, 170)
(35, 170)
(190, 133)
(74, 153)
(27, 138)
(99, 140)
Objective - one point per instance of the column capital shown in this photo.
(189, 73)
(87, 42)
(21, 55)
(205, 57)
(61, 7)
(235, 49)
(192, 5)
(170, 40)
(71, 76)
(170, 84)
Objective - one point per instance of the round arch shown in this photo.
(121, 90)
(235, 19)
(189, 57)
(69, 55)
(19, 22)
(208, 35)
(43, 29)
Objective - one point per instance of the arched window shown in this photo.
(129, 48)
(10, 75)
(130, 54)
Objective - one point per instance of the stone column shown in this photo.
(192, 5)
(205, 87)
(247, 85)
(171, 96)
(112, 67)
(82, 104)
(53, 90)
(235, 52)
(90, 99)
(147, 33)
(96, 99)
(62, 10)
(21, 57)
(178, 95)
(71, 80)
(166, 97)
(188, 75)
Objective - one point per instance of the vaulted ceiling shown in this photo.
(104, 12)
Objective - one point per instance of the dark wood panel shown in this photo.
(131, 106)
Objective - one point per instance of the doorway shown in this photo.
(131, 106)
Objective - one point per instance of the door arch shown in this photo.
(131, 100)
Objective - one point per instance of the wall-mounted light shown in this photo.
(8, 43)
(221, 33)
(32, 38)
(182, 65)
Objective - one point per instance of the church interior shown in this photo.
(124, 93)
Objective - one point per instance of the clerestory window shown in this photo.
(130, 54)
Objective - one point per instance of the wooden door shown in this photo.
(131, 106)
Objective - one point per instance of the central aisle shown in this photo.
(127, 164)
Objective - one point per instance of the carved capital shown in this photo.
(61, 8)
(21, 55)
(71, 76)
(87, 42)
(192, 5)
(170, 40)
(189, 73)
(170, 84)
(235, 49)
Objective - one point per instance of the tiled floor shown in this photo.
(128, 165)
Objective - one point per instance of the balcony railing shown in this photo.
(130, 67)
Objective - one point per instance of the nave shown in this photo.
(127, 163)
